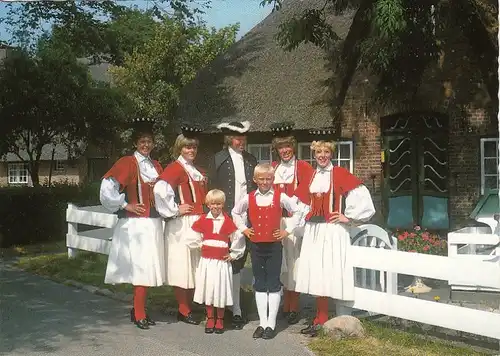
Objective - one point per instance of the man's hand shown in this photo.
(337, 217)
(248, 233)
(280, 234)
(228, 258)
(185, 209)
(136, 209)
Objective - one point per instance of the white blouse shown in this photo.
(358, 203)
(164, 193)
(109, 193)
(237, 239)
(285, 172)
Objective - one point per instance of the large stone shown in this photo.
(345, 326)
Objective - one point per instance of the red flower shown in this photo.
(427, 248)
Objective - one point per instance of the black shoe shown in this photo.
(209, 330)
(219, 330)
(258, 333)
(188, 319)
(293, 318)
(238, 322)
(142, 324)
(269, 334)
(148, 319)
(285, 315)
(312, 330)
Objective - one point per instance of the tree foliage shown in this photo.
(49, 98)
(397, 40)
(154, 73)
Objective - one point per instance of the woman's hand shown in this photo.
(248, 233)
(137, 209)
(337, 218)
(185, 209)
(228, 258)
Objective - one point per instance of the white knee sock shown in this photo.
(261, 299)
(274, 306)
(236, 294)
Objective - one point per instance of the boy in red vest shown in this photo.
(264, 209)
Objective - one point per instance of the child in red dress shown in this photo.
(220, 243)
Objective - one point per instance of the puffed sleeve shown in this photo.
(359, 204)
(194, 238)
(110, 196)
(165, 199)
(238, 245)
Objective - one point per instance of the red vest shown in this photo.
(187, 191)
(324, 204)
(302, 174)
(265, 220)
(126, 172)
(205, 227)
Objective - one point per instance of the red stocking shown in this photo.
(140, 293)
(322, 313)
(220, 319)
(286, 301)
(294, 301)
(182, 300)
(210, 316)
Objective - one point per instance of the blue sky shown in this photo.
(222, 12)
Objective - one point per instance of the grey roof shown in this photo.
(258, 81)
(60, 154)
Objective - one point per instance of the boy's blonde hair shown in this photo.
(215, 196)
(182, 141)
(329, 145)
(263, 168)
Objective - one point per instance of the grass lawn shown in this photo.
(31, 250)
(382, 340)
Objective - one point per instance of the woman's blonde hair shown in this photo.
(215, 196)
(284, 141)
(316, 145)
(263, 168)
(181, 142)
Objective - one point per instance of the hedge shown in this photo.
(35, 215)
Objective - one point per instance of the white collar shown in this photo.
(328, 168)
(183, 161)
(140, 157)
(290, 163)
(269, 192)
(233, 152)
(210, 216)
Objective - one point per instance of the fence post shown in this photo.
(72, 230)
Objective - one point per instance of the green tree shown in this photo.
(398, 40)
(153, 75)
(49, 98)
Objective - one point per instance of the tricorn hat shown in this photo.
(282, 129)
(190, 131)
(234, 128)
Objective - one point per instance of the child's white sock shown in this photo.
(274, 305)
(261, 299)
(236, 294)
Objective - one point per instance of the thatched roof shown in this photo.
(257, 80)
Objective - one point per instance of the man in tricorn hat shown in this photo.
(232, 172)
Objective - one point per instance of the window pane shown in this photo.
(345, 151)
(265, 153)
(491, 182)
(305, 152)
(254, 150)
(490, 166)
(490, 148)
(345, 164)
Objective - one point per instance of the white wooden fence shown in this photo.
(373, 251)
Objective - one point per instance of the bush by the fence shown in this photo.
(34, 215)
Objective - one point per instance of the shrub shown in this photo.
(33, 215)
(421, 241)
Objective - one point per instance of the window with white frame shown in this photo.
(263, 152)
(343, 155)
(489, 164)
(18, 173)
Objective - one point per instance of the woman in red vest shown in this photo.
(289, 173)
(180, 195)
(137, 249)
(336, 198)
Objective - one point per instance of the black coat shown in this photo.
(221, 175)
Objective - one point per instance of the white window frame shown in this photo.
(483, 175)
(336, 153)
(59, 166)
(250, 146)
(18, 168)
